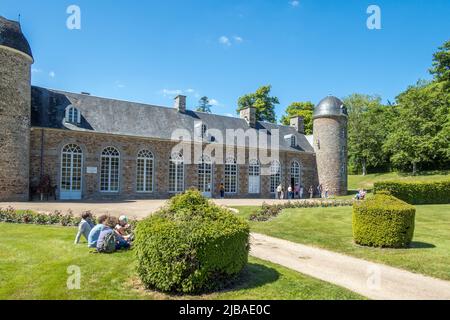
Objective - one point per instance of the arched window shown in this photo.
(73, 115)
(254, 173)
(275, 176)
(176, 173)
(144, 175)
(109, 175)
(296, 173)
(71, 172)
(230, 175)
(205, 175)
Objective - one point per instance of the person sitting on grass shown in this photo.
(85, 227)
(123, 228)
(95, 232)
(109, 240)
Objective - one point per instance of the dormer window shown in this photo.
(293, 141)
(204, 131)
(73, 115)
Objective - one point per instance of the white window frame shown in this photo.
(71, 113)
(231, 171)
(254, 170)
(205, 172)
(107, 156)
(293, 141)
(296, 172)
(71, 150)
(175, 161)
(145, 165)
(275, 176)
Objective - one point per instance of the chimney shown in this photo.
(180, 103)
(299, 124)
(249, 115)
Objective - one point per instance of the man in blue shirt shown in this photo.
(95, 232)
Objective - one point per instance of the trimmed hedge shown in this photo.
(191, 246)
(417, 192)
(383, 221)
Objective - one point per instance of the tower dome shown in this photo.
(330, 107)
(11, 36)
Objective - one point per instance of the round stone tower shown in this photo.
(330, 143)
(15, 111)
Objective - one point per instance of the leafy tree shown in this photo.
(367, 131)
(441, 64)
(421, 129)
(301, 109)
(262, 101)
(204, 105)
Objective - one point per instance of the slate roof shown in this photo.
(111, 116)
(11, 36)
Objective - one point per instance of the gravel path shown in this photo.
(372, 280)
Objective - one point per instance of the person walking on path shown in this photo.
(301, 192)
(320, 190)
(222, 191)
(311, 192)
(327, 191)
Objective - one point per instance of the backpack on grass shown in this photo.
(109, 243)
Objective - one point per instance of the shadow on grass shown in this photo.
(253, 276)
(421, 245)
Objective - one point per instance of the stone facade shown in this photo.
(15, 108)
(330, 143)
(47, 145)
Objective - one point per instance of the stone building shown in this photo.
(98, 148)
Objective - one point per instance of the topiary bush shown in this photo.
(383, 221)
(191, 246)
(417, 192)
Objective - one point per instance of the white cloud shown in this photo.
(52, 74)
(225, 41)
(214, 102)
(35, 70)
(238, 39)
(170, 92)
(294, 3)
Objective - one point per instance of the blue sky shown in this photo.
(148, 51)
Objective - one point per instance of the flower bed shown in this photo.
(268, 212)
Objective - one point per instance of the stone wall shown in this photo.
(330, 144)
(15, 106)
(92, 145)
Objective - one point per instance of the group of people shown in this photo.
(109, 235)
(361, 195)
(298, 191)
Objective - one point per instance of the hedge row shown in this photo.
(267, 212)
(10, 215)
(417, 192)
(383, 221)
(191, 246)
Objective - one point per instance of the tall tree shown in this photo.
(300, 109)
(262, 101)
(367, 131)
(204, 105)
(441, 64)
(420, 132)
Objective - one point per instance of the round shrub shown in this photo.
(191, 246)
(383, 221)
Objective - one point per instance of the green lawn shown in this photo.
(34, 262)
(366, 182)
(331, 228)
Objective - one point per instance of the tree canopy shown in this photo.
(204, 105)
(262, 102)
(301, 109)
